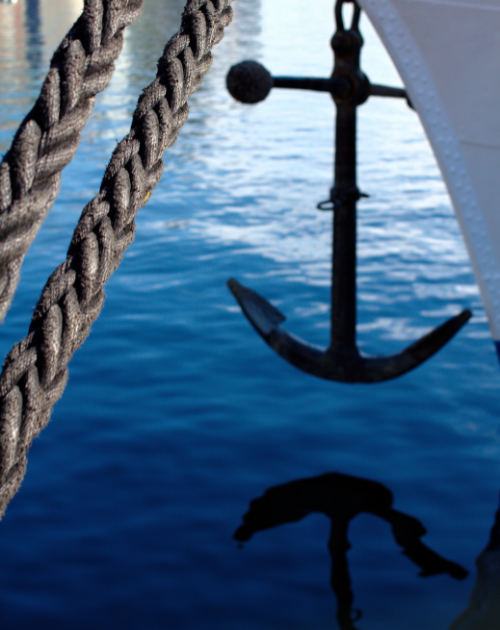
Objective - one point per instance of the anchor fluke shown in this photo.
(263, 316)
(339, 362)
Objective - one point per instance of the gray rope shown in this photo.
(35, 371)
(47, 140)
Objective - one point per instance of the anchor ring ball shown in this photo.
(249, 82)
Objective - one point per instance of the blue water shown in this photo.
(177, 415)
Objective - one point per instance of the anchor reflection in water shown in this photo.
(341, 498)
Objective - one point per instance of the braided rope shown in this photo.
(35, 371)
(47, 140)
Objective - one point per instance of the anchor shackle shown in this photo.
(346, 46)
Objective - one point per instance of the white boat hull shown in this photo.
(448, 56)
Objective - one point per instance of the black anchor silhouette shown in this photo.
(341, 498)
(249, 82)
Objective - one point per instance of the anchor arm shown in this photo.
(344, 364)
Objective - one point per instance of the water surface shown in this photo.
(177, 415)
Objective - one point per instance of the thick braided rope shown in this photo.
(47, 140)
(35, 371)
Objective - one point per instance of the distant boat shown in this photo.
(448, 55)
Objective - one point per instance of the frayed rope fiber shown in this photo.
(35, 371)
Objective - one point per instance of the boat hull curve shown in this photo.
(448, 56)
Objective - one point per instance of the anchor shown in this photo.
(249, 82)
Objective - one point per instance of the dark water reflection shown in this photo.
(341, 498)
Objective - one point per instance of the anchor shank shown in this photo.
(345, 149)
(343, 313)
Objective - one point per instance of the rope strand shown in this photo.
(35, 371)
(47, 140)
